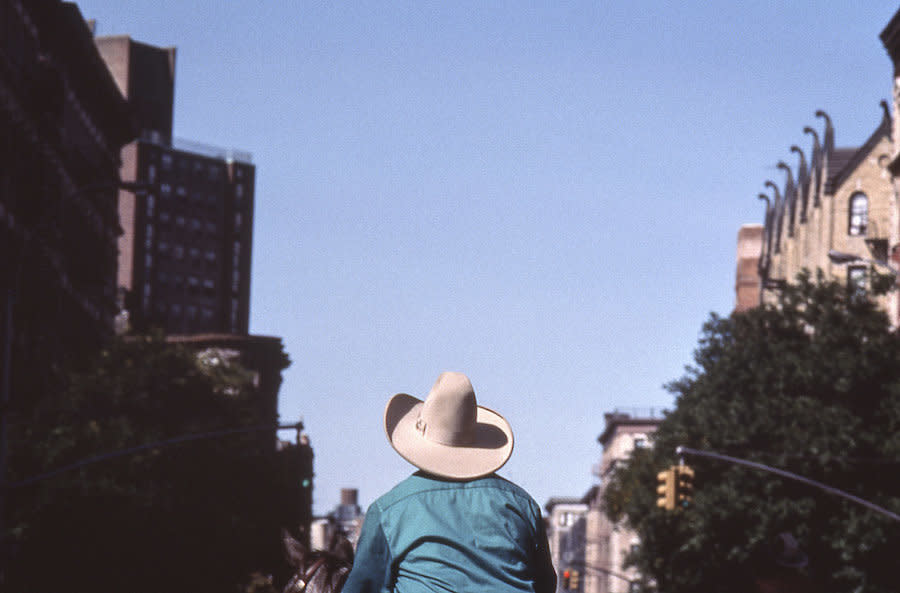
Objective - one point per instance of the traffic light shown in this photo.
(684, 486)
(573, 581)
(567, 577)
(666, 489)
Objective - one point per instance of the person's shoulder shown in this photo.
(409, 486)
(421, 483)
(500, 483)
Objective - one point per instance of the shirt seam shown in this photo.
(518, 495)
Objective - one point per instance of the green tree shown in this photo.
(198, 516)
(810, 384)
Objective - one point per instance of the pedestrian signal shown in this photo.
(666, 489)
(684, 486)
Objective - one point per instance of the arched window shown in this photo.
(859, 214)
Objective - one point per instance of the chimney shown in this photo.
(349, 496)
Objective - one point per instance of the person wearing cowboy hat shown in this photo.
(454, 525)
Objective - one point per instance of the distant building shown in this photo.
(296, 474)
(63, 122)
(566, 530)
(345, 520)
(185, 251)
(609, 543)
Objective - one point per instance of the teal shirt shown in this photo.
(433, 535)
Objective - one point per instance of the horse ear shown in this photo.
(343, 550)
(294, 551)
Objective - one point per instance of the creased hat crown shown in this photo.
(449, 434)
(449, 413)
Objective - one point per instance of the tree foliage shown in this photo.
(198, 516)
(810, 384)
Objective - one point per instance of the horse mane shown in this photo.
(318, 571)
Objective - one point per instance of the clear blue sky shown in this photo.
(545, 196)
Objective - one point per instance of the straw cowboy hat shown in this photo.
(449, 434)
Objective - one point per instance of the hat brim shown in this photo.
(490, 450)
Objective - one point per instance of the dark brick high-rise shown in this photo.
(184, 263)
(62, 125)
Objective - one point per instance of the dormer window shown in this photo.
(859, 215)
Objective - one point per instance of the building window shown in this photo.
(856, 279)
(859, 214)
(151, 173)
(640, 443)
(151, 202)
(167, 161)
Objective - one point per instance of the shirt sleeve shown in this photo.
(545, 574)
(372, 563)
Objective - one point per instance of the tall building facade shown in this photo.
(607, 543)
(890, 38)
(185, 251)
(63, 123)
(832, 199)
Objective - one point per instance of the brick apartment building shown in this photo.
(185, 251)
